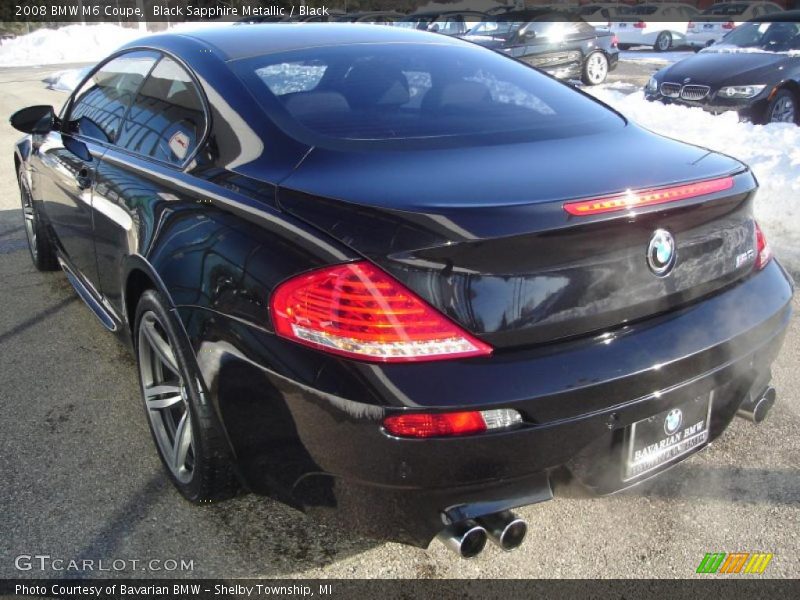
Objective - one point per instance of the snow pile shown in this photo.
(67, 80)
(772, 152)
(72, 43)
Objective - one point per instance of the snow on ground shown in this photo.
(772, 152)
(72, 43)
(66, 80)
(653, 57)
(76, 43)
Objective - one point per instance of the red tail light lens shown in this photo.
(614, 39)
(763, 250)
(729, 25)
(640, 25)
(634, 199)
(426, 425)
(359, 311)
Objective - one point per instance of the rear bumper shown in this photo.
(313, 446)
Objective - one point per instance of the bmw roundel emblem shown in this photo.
(661, 252)
(673, 421)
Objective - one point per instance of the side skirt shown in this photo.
(89, 298)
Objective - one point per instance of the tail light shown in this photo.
(763, 250)
(634, 199)
(614, 40)
(729, 25)
(357, 310)
(426, 425)
(689, 25)
(640, 25)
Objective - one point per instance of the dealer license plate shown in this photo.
(659, 439)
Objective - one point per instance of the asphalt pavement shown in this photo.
(80, 479)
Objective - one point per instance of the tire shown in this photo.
(663, 42)
(191, 446)
(783, 108)
(595, 69)
(43, 251)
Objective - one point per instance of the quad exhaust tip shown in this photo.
(505, 529)
(756, 409)
(466, 538)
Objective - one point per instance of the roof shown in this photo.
(233, 43)
(792, 16)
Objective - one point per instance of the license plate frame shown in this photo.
(646, 451)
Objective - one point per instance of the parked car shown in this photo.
(454, 22)
(386, 17)
(661, 25)
(562, 44)
(359, 273)
(716, 22)
(754, 71)
(601, 15)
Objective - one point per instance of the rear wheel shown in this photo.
(783, 108)
(181, 419)
(595, 69)
(663, 42)
(43, 252)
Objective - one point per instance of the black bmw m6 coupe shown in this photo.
(398, 278)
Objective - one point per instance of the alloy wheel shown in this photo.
(664, 41)
(783, 111)
(597, 68)
(166, 397)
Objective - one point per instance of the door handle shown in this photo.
(84, 178)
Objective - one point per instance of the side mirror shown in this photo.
(35, 119)
(528, 35)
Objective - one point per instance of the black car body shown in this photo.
(559, 43)
(754, 70)
(489, 321)
(446, 22)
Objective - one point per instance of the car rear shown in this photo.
(702, 33)
(527, 298)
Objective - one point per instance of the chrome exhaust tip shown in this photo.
(466, 538)
(756, 409)
(505, 529)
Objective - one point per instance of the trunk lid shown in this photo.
(481, 232)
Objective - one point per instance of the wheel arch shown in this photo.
(138, 276)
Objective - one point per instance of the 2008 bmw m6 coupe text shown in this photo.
(399, 278)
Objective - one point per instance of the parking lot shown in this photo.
(81, 479)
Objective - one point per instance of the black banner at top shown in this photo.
(133, 11)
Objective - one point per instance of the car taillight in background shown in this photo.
(359, 311)
(614, 39)
(427, 425)
(640, 25)
(729, 25)
(763, 250)
(690, 26)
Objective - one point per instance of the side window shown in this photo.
(101, 102)
(166, 121)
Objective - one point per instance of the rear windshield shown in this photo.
(425, 92)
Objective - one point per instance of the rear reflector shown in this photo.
(359, 311)
(635, 199)
(426, 425)
(763, 250)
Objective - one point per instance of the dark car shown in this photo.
(359, 274)
(447, 22)
(559, 43)
(754, 70)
